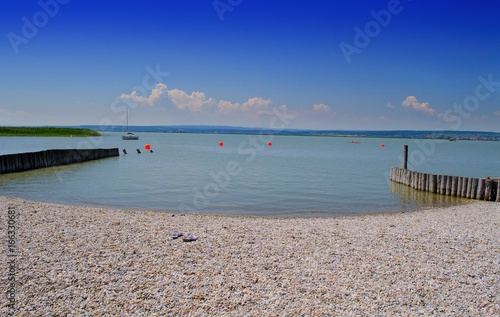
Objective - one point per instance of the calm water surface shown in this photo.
(296, 176)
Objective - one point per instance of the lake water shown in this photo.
(296, 176)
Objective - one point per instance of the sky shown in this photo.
(336, 65)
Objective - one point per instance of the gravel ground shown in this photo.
(82, 261)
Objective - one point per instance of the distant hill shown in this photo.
(406, 134)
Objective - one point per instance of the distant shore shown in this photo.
(72, 260)
(47, 132)
(443, 135)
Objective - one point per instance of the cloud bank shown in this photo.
(156, 93)
(198, 102)
(322, 108)
(412, 102)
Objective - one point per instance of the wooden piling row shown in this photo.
(467, 187)
(20, 162)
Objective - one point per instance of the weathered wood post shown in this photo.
(405, 157)
(448, 185)
(442, 184)
(498, 190)
(454, 185)
(469, 188)
(423, 182)
(494, 192)
(473, 193)
(480, 189)
(433, 183)
(464, 187)
(488, 188)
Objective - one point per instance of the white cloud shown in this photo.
(199, 102)
(156, 93)
(194, 102)
(321, 107)
(497, 113)
(255, 103)
(227, 107)
(390, 105)
(411, 101)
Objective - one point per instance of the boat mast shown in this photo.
(127, 118)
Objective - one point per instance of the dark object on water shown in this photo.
(189, 238)
(138, 151)
(151, 151)
(130, 136)
(124, 151)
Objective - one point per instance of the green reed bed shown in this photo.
(47, 131)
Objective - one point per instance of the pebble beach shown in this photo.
(84, 261)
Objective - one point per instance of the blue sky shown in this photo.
(378, 65)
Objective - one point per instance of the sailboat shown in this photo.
(129, 135)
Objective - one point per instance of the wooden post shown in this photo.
(494, 192)
(464, 187)
(488, 188)
(405, 157)
(433, 183)
(442, 185)
(448, 185)
(454, 185)
(480, 189)
(473, 193)
(498, 191)
(423, 183)
(469, 188)
(459, 186)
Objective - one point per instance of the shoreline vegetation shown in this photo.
(48, 132)
(77, 260)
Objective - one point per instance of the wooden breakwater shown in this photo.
(467, 187)
(20, 162)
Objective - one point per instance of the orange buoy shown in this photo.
(147, 147)
(382, 145)
(221, 143)
(269, 143)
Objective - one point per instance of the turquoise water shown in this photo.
(296, 176)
